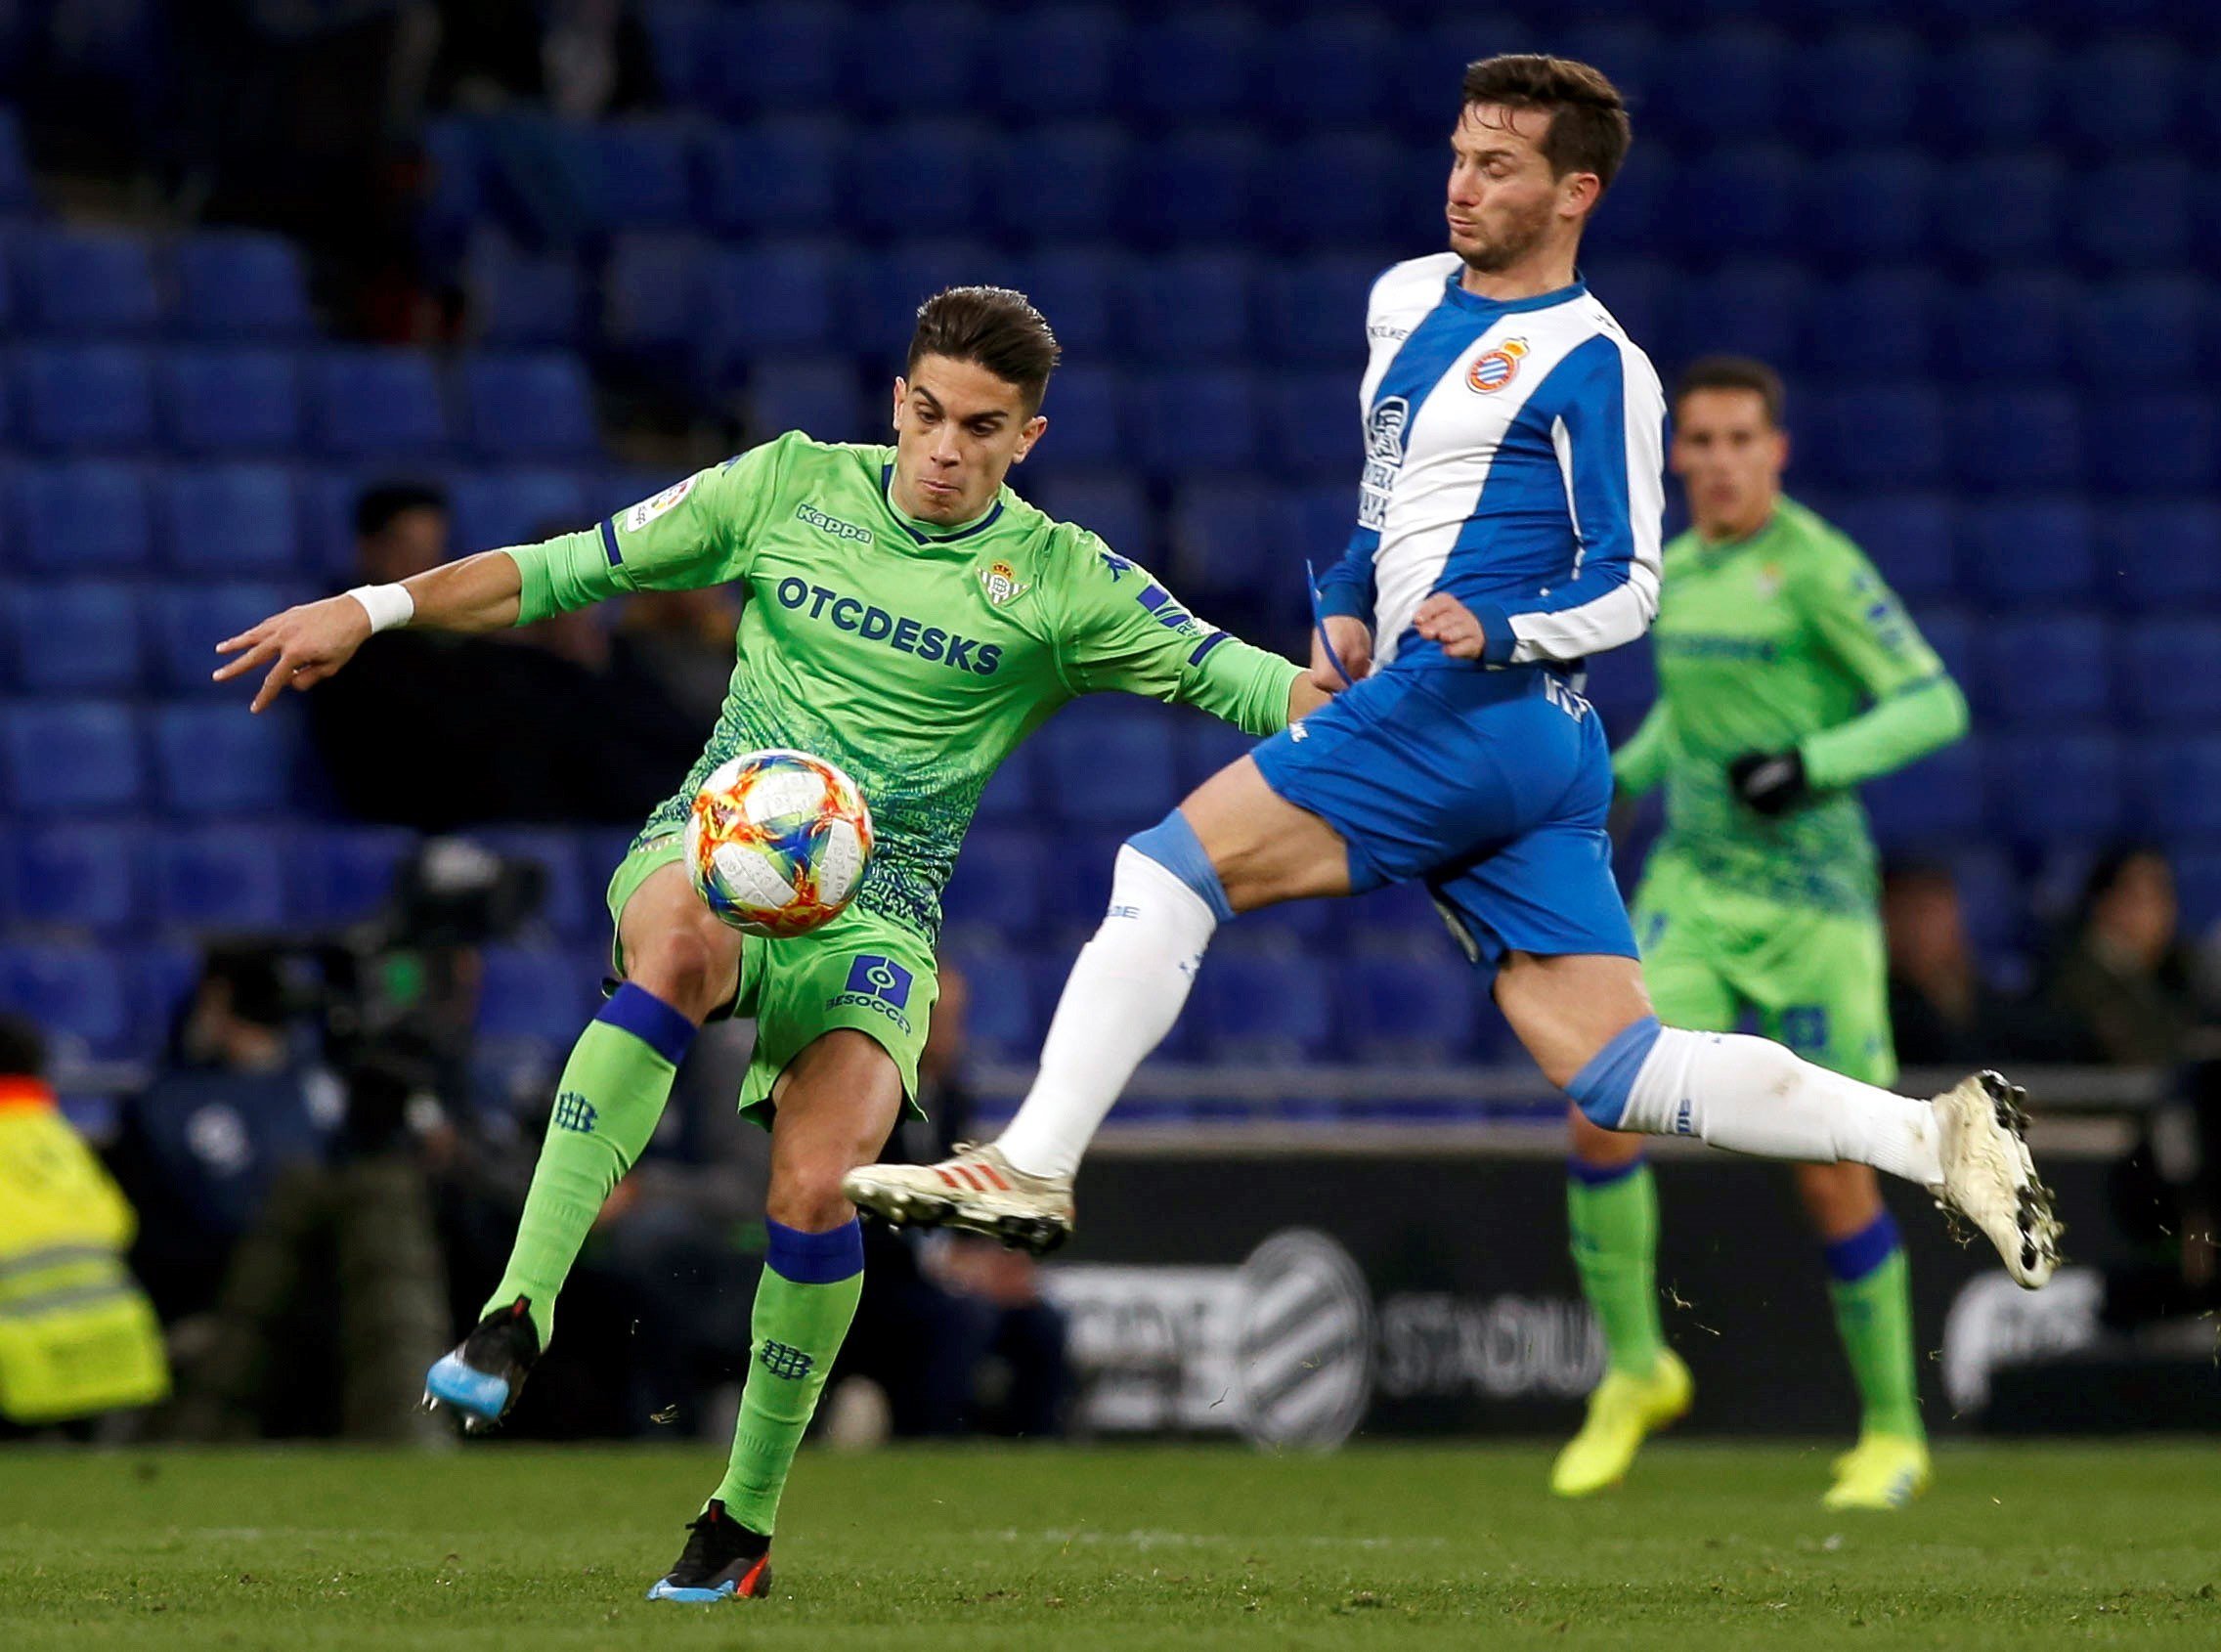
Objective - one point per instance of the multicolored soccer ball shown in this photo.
(777, 842)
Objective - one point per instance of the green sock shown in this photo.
(611, 1094)
(1614, 1225)
(804, 1303)
(1874, 1317)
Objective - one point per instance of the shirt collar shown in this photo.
(931, 534)
(1480, 306)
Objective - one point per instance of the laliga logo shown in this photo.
(1498, 367)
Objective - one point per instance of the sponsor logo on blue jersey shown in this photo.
(899, 631)
(1383, 457)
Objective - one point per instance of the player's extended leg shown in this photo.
(680, 966)
(1234, 845)
(1587, 1020)
(835, 1105)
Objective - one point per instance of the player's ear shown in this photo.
(1577, 193)
(902, 394)
(1029, 434)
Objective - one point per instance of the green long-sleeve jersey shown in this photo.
(913, 656)
(1787, 639)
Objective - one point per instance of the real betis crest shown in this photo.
(1002, 583)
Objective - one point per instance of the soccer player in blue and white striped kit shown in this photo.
(1509, 528)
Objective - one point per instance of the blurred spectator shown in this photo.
(77, 1336)
(2124, 980)
(436, 731)
(583, 58)
(684, 640)
(1942, 1010)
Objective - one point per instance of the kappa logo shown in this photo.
(875, 983)
(1001, 583)
(1493, 369)
(833, 525)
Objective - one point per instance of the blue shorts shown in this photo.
(1490, 787)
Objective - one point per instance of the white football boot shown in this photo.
(1989, 1179)
(978, 1190)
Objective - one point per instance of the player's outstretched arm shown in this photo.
(304, 645)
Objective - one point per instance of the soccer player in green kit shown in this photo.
(910, 619)
(1788, 674)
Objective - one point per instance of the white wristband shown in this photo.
(388, 606)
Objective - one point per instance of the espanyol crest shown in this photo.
(1002, 583)
(1494, 368)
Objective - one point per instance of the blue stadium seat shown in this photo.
(1638, 291)
(2054, 787)
(1893, 436)
(215, 759)
(531, 996)
(519, 299)
(1356, 191)
(1007, 799)
(777, 177)
(228, 521)
(1086, 294)
(1229, 538)
(882, 309)
(1111, 507)
(1201, 65)
(1264, 1006)
(76, 995)
(1863, 85)
(188, 621)
(87, 283)
(87, 398)
(70, 756)
(1075, 882)
(238, 286)
(534, 407)
(72, 639)
(1312, 310)
(948, 157)
(2136, 214)
(1087, 425)
(343, 874)
(1639, 224)
(2175, 786)
(516, 507)
(2017, 439)
(1871, 206)
(1198, 187)
(1935, 803)
(82, 516)
(2173, 672)
(2146, 331)
(1198, 422)
(1950, 632)
(1745, 201)
(1744, 73)
(18, 193)
(324, 500)
(220, 878)
(1908, 537)
(2164, 554)
(1746, 309)
(2053, 671)
(1109, 765)
(1193, 308)
(231, 401)
(996, 889)
(1311, 427)
(2002, 208)
(2017, 327)
(2028, 553)
(1404, 1007)
(1005, 1021)
(80, 875)
(2145, 121)
(1201, 747)
(1999, 89)
(2161, 439)
(1057, 63)
(787, 55)
(2198, 887)
(1051, 184)
(367, 403)
(820, 397)
(940, 65)
(1329, 71)
(646, 175)
(654, 288)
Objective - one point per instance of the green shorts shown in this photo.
(1815, 980)
(861, 971)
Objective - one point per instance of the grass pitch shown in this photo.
(1152, 1547)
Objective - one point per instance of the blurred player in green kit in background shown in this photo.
(1788, 674)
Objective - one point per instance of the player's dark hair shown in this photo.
(1589, 130)
(376, 507)
(993, 328)
(1733, 372)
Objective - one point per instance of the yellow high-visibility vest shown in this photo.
(77, 1335)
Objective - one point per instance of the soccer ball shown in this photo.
(777, 841)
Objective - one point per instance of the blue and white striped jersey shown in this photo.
(1513, 457)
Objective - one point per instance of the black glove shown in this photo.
(1770, 783)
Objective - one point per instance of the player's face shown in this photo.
(958, 429)
(1502, 198)
(1729, 456)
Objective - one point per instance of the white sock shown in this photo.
(1750, 1095)
(1122, 999)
